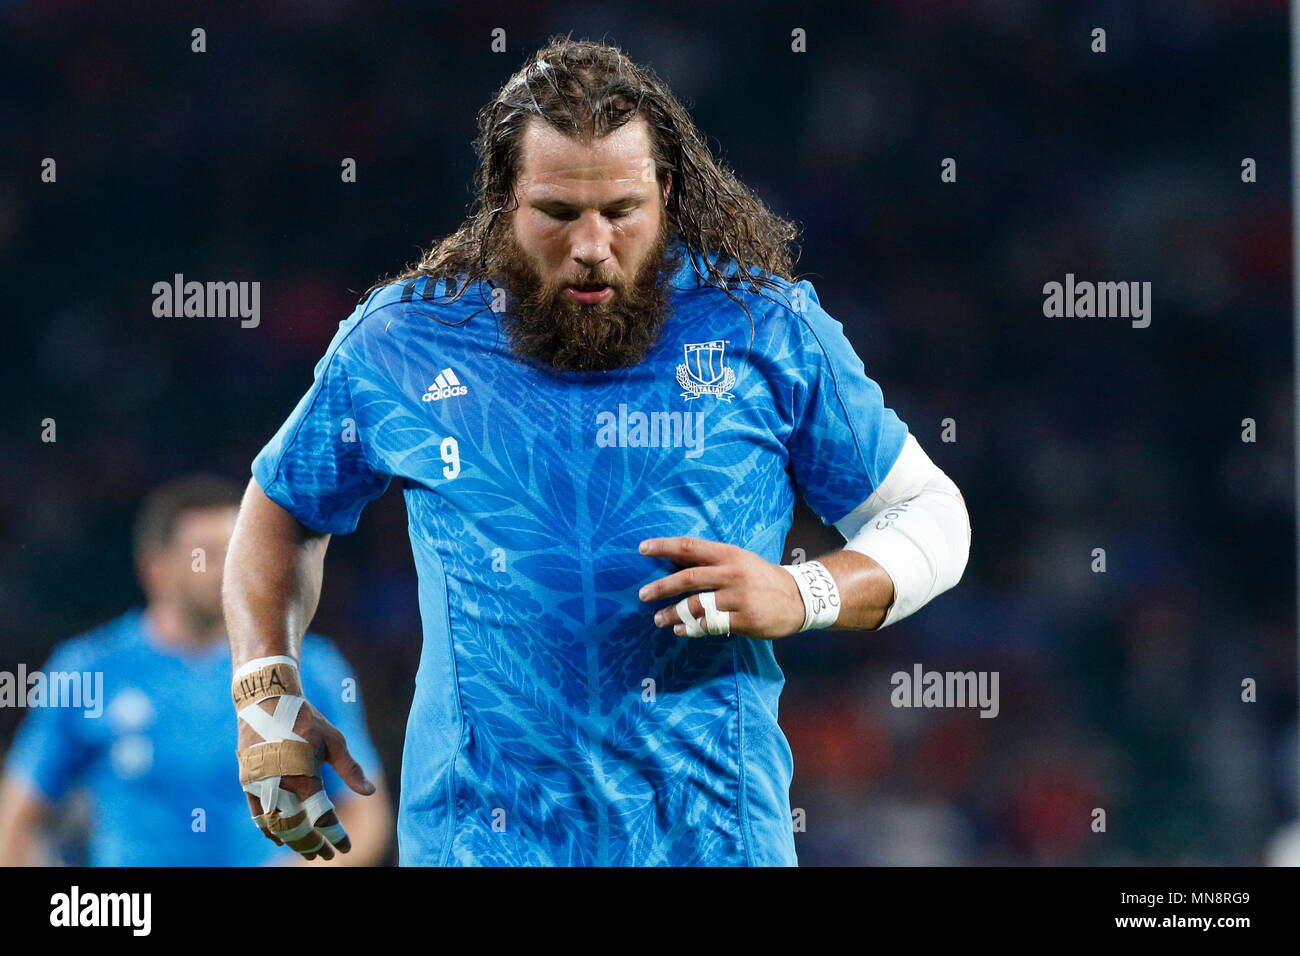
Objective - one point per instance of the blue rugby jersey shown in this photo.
(552, 722)
(163, 747)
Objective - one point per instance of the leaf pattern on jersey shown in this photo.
(563, 705)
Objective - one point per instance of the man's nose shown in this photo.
(590, 240)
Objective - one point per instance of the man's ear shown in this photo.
(668, 185)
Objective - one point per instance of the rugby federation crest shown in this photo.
(703, 372)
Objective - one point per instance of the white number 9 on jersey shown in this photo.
(451, 455)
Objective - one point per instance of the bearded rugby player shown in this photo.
(601, 395)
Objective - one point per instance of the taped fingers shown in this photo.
(265, 827)
(715, 621)
(694, 626)
(320, 810)
(293, 824)
(711, 620)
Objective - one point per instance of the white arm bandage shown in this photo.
(915, 525)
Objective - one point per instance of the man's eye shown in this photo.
(617, 213)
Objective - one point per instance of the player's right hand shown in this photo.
(304, 818)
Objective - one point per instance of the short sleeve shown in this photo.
(317, 466)
(332, 688)
(844, 439)
(52, 746)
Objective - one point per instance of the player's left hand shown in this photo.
(761, 598)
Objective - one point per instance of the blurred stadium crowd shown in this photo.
(1120, 690)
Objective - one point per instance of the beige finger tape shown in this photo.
(294, 829)
(279, 824)
(284, 758)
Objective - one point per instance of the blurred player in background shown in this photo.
(157, 762)
(608, 371)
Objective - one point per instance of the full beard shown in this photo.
(546, 326)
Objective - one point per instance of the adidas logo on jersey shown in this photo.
(446, 385)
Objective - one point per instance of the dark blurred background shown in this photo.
(1120, 690)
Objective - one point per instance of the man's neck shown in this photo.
(175, 628)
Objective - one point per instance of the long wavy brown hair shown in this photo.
(585, 89)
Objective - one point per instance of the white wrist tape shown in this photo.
(916, 527)
(258, 663)
(821, 596)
